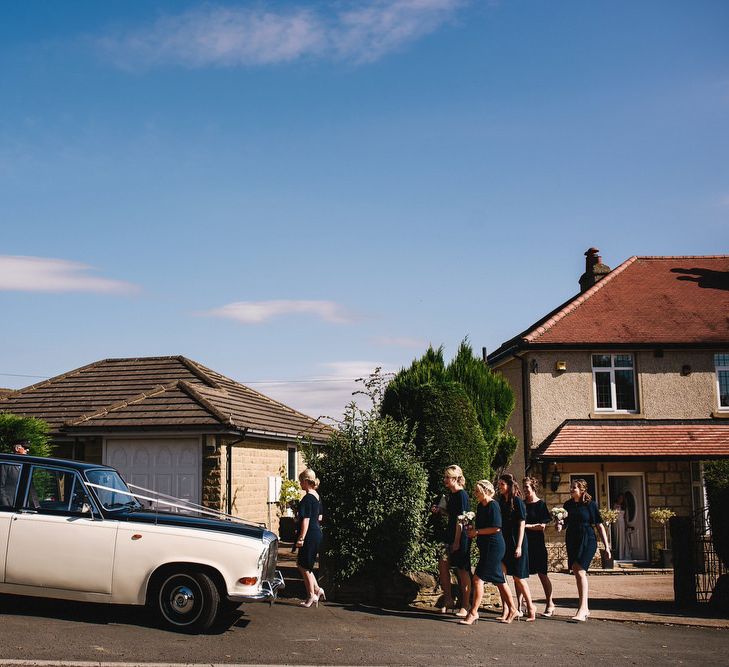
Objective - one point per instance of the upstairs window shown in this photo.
(721, 361)
(613, 382)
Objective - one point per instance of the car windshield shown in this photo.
(115, 494)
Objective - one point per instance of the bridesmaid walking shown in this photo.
(309, 538)
(582, 515)
(457, 548)
(537, 519)
(486, 529)
(516, 559)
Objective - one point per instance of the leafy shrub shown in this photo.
(716, 474)
(14, 428)
(373, 489)
(488, 392)
(445, 428)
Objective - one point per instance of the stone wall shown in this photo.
(253, 461)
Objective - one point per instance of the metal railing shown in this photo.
(707, 564)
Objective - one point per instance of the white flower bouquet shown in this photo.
(559, 514)
(466, 518)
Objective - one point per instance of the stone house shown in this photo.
(172, 425)
(627, 385)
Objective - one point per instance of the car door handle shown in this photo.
(24, 511)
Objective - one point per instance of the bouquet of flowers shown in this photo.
(559, 514)
(466, 518)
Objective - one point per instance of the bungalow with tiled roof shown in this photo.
(172, 425)
(627, 385)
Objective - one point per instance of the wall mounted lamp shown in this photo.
(555, 479)
(534, 366)
(685, 370)
(560, 366)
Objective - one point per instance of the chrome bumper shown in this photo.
(269, 590)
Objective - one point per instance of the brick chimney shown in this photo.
(595, 270)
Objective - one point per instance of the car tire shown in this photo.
(186, 601)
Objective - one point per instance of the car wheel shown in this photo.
(187, 601)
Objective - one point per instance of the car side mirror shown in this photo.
(86, 509)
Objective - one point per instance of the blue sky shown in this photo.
(299, 191)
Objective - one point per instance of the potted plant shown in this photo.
(609, 517)
(288, 500)
(661, 515)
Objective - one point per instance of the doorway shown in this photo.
(626, 492)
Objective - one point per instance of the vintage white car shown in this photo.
(75, 531)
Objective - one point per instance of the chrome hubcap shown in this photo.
(182, 600)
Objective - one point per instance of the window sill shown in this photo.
(720, 414)
(618, 415)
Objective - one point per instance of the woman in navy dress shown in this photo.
(516, 558)
(486, 529)
(456, 551)
(582, 515)
(537, 519)
(309, 537)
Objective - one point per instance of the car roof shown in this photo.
(67, 463)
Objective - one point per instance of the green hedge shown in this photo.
(373, 489)
(445, 428)
(14, 428)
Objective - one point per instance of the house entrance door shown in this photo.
(629, 533)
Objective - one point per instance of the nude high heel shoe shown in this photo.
(471, 619)
(313, 600)
(321, 595)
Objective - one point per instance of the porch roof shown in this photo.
(579, 440)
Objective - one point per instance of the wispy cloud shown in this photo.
(258, 312)
(357, 31)
(325, 395)
(399, 341)
(43, 274)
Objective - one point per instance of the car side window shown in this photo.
(9, 478)
(54, 491)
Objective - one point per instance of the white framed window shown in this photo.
(613, 383)
(291, 463)
(721, 362)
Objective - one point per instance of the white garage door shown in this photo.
(167, 465)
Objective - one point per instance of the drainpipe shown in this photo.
(526, 415)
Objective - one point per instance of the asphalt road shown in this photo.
(32, 629)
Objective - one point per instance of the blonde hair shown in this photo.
(456, 473)
(309, 475)
(486, 486)
(581, 484)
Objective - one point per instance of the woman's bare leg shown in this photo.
(522, 588)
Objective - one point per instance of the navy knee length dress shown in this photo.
(537, 513)
(458, 504)
(580, 537)
(512, 514)
(491, 548)
(309, 508)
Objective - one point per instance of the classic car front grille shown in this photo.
(269, 567)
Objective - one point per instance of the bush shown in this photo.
(373, 490)
(716, 474)
(445, 428)
(489, 394)
(14, 428)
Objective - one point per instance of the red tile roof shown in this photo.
(646, 300)
(157, 392)
(582, 441)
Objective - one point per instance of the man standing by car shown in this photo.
(21, 447)
(9, 474)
